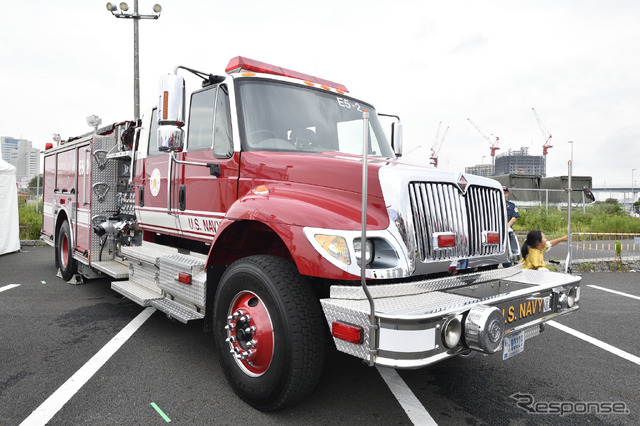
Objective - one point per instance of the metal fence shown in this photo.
(548, 198)
(31, 193)
(588, 247)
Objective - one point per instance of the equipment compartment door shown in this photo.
(151, 187)
(83, 210)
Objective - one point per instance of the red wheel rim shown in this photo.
(64, 248)
(250, 334)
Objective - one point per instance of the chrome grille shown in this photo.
(441, 207)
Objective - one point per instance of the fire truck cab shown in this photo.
(245, 210)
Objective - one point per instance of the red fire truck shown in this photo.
(255, 211)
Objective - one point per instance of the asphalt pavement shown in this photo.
(50, 330)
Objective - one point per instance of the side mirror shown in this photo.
(170, 138)
(396, 138)
(171, 108)
(588, 194)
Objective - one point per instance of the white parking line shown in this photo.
(60, 397)
(411, 405)
(8, 287)
(614, 292)
(596, 342)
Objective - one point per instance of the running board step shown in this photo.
(176, 310)
(134, 291)
(112, 268)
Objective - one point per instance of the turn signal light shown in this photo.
(336, 246)
(261, 190)
(347, 332)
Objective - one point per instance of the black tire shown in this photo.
(64, 253)
(280, 370)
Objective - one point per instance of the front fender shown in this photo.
(286, 210)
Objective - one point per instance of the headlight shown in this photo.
(335, 246)
(357, 248)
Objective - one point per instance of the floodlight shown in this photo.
(157, 8)
(124, 7)
(111, 7)
(94, 121)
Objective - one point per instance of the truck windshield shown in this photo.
(276, 116)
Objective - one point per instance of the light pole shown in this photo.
(632, 197)
(567, 266)
(124, 13)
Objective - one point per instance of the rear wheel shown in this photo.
(269, 332)
(64, 253)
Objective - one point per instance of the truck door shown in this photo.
(204, 194)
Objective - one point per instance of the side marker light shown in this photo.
(347, 332)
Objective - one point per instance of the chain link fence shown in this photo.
(598, 247)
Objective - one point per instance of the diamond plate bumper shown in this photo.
(410, 316)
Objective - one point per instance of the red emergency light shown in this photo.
(491, 238)
(444, 240)
(240, 64)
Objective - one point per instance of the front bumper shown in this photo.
(411, 317)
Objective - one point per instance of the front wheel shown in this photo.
(64, 253)
(269, 332)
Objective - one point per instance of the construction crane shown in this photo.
(493, 142)
(545, 134)
(437, 144)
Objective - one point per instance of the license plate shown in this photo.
(512, 345)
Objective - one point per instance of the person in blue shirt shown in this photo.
(512, 210)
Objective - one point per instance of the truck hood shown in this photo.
(331, 170)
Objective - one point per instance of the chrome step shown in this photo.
(136, 292)
(112, 268)
(176, 310)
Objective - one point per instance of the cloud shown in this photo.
(470, 45)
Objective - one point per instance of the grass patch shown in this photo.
(599, 218)
(30, 221)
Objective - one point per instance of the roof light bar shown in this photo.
(242, 64)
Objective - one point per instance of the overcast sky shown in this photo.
(575, 62)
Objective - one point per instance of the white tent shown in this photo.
(9, 224)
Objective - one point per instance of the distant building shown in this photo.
(479, 170)
(520, 162)
(23, 156)
(8, 144)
